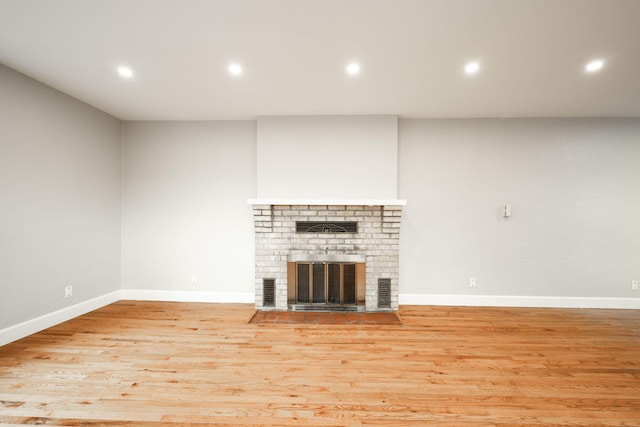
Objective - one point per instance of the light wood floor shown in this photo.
(180, 364)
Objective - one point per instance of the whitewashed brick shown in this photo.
(377, 238)
(391, 219)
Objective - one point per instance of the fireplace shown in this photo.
(316, 256)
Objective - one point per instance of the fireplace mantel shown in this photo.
(332, 202)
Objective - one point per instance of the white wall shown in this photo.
(185, 211)
(60, 200)
(574, 187)
(328, 157)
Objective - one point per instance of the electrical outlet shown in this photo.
(472, 282)
(68, 291)
(634, 285)
(194, 278)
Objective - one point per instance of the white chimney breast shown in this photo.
(327, 157)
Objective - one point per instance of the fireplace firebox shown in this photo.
(326, 285)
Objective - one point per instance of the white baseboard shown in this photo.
(24, 329)
(519, 301)
(187, 296)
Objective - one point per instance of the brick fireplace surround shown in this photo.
(376, 243)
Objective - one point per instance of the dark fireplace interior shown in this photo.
(323, 285)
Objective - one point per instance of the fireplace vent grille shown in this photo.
(326, 227)
(268, 292)
(384, 293)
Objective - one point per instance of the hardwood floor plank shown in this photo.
(156, 363)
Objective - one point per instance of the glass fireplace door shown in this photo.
(318, 283)
(326, 283)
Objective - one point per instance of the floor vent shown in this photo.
(268, 292)
(384, 293)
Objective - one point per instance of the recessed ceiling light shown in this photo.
(593, 66)
(472, 67)
(125, 72)
(353, 69)
(235, 69)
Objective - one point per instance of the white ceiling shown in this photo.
(294, 52)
